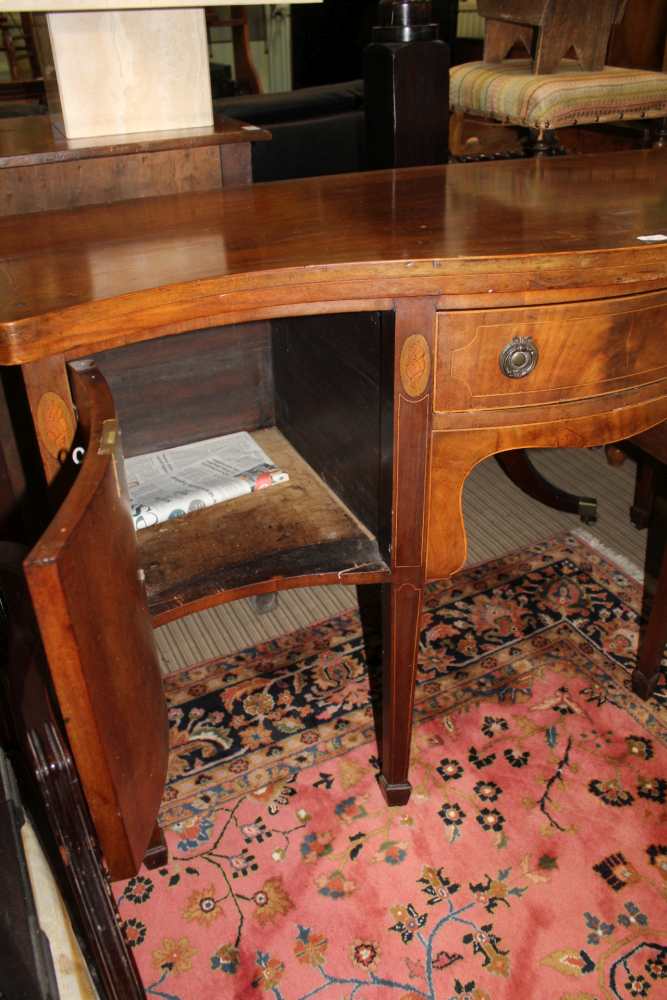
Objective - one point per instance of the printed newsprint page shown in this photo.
(175, 482)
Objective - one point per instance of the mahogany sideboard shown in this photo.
(472, 309)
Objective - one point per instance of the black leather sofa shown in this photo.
(316, 130)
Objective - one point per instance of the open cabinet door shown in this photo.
(90, 605)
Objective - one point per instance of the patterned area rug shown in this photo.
(531, 861)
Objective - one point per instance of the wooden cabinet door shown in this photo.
(91, 609)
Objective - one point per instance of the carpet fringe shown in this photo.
(623, 562)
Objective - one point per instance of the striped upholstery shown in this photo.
(509, 92)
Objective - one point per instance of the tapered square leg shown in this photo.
(402, 598)
(157, 854)
(654, 636)
(652, 644)
(402, 611)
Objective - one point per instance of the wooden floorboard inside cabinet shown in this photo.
(298, 528)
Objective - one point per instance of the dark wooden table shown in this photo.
(163, 317)
(40, 169)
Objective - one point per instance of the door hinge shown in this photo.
(108, 437)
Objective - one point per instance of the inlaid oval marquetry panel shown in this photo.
(415, 365)
(55, 424)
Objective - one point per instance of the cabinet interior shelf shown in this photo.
(294, 529)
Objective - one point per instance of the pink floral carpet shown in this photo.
(530, 862)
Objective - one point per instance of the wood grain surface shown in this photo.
(41, 170)
(455, 453)
(25, 142)
(522, 231)
(293, 529)
(584, 349)
(99, 642)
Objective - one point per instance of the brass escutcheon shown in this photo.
(519, 358)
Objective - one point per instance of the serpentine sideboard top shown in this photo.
(503, 233)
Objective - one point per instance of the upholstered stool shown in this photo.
(509, 92)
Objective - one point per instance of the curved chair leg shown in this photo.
(520, 470)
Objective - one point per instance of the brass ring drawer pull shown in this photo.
(519, 358)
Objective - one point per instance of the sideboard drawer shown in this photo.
(549, 353)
